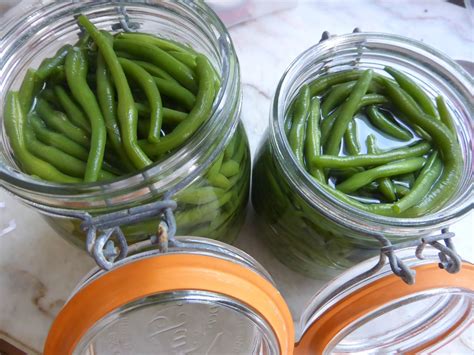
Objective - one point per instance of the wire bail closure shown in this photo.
(103, 230)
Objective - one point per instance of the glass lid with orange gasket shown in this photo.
(206, 297)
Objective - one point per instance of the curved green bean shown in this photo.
(73, 112)
(414, 91)
(76, 72)
(348, 109)
(297, 133)
(331, 161)
(145, 81)
(15, 126)
(386, 186)
(55, 139)
(160, 58)
(379, 120)
(60, 123)
(359, 180)
(445, 115)
(28, 89)
(176, 91)
(351, 138)
(126, 110)
(200, 112)
(313, 139)
(328, 122)
(423, 184)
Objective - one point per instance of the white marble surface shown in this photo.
(38, 270)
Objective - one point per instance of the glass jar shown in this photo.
(208, 297)
(33, 31)
(305, 226)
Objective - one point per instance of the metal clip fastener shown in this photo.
(124, 21)
(326, 34)
(103, 230)
(449, 259)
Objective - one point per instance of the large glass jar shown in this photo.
(306, 227)
(33, 31)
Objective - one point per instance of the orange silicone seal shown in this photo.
(374, 296)
(167, 273)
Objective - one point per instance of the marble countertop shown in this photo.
(38, 269)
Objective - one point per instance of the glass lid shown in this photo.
(382, 314)
(201, 297)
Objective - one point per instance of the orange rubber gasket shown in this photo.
(166, 273)
(374, 296)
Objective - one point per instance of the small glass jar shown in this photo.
(33, 31)
(206, 297)
(307, 228)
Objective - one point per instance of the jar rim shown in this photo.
(14, 179)
(328, 204)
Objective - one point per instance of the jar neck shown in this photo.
(187, 22)
(374, 50)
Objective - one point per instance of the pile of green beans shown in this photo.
(377, 143)
(323, 133)
(113, 104)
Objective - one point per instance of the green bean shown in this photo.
(200, 195)
(55, 139)
(379, 120)
(385, 184)
(230, 149)
(106, 100)
(348, 109)
(145, 37)
(49, 95)
(145, 81)
(160, 58)
(187, 59)
(351, 138)
(176, 91)
(76, 72)
(154, 70)
(50, 65)
(15, 125)
(330, 161)
(394, 168)
(423, 184)
(28, 89)
(446, 143)
(170, 116)
(200, 112)
(401, 190)
(324, 82)
(73, 112)
(336, 96)
(340, 92)
(126, 110)
(62, 161)
(297, 133)
(221, 181)
(445, 115)
(215, 167)
(60, 123)
(328, 122)
(204, 213)
(230, 168)
(414, 91)
(313, 139)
